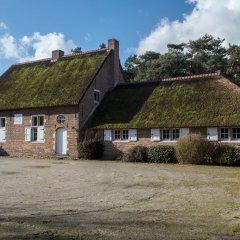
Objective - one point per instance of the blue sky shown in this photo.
(30, 28)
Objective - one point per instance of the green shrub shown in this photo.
(194, 149)
(226, 155)
(136, 154)
(90, 149)
(161, 154)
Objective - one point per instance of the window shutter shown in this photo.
(2, 134)
(155, 135)
(212, 134)
(28, 134)
(40, 134)
(133, 134)
(107, 135)
(184, 132)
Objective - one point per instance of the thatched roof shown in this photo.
(46, 83)
(192, 102)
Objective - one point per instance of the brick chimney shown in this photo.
(57, 54)
(113, 45)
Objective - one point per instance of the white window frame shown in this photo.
(232, 138)
(228, 133)
(169, 135)
(179, 134)
(39, 128)
(126, 135)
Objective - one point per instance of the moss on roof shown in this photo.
(45, 83)
(189, 103)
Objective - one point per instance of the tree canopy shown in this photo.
(204, 55)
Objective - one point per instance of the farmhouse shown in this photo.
(43, 104)
(46, 106)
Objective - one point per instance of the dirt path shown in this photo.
(55, 199)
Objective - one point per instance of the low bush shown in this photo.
(161, 154)
(136, 154)
(194, 149)
(226, 155)
(90, 149)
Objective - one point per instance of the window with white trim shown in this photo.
(236, 133)
(175, 133)
(117, 134)
(165, 134)
(224, 133)
(35, 133)
(96, 96)
(125, 135)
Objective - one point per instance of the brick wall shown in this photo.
(104, 82)
(16, 145)
(114, 149)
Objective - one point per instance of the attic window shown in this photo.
(61, 119)
(96, 96)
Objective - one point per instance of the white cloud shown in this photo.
(33, 47)
(220, 18)
(8, 47)
(3, 26)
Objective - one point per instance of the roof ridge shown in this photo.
(66, 56)
(191, 77)
(205, 75)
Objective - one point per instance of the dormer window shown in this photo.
(96, 96)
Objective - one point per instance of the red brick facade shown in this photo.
(15, 144)
(114, 149)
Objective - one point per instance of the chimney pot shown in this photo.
(57, 54)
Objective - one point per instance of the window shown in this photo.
(125, 134)
(166, 135)
(236, 133)
(35, 133)
(117, 134)
(176, 134)
(224, 133)
(37, 120)
(96, 95)
(61, 119)
(2, 122)
(121, 135)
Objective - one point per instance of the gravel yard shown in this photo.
(65, 199)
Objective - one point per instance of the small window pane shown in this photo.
(117, 134)
(41, 121)
(236, 133)
(224, 133)
(125, 134)
(2, 122)
(34, 134)
(165, 134)
(34, 121)
(176, 134)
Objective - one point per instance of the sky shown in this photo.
(31, 29)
